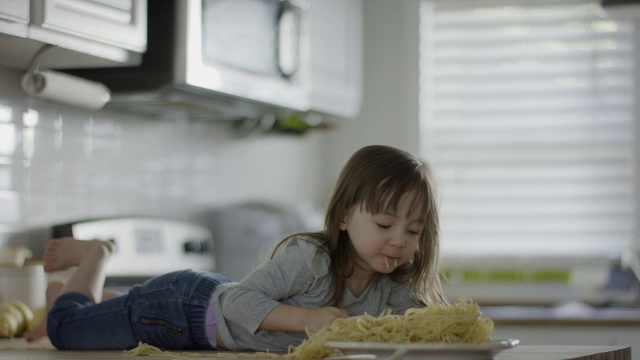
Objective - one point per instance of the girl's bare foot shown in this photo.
(89, 256)
(63, 253)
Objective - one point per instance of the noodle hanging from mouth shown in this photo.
(386, 261)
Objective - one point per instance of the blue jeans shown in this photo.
(167, 311)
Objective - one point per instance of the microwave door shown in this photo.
(245, 49)
(241, 34)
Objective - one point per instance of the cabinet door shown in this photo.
(14, 17)
(120, 23)
(336, 56)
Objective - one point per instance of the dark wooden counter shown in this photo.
(18, 349)
(533, 352)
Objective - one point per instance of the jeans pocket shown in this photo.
(162, 324)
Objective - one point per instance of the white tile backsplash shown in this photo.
(60, 164)
(10, 208)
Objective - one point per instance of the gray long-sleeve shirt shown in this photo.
(298, 276)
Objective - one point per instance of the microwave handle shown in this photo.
(288, 35)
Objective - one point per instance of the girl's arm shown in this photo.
(258, 300)
(295, 318)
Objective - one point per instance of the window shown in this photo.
(527, 114)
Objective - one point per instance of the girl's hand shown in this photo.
(319, 318)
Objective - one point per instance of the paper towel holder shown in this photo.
(61, 87)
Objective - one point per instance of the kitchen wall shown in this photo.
(59, 163)
(390, 84)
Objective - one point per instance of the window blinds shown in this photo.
(527, 114)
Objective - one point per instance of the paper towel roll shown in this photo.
(66, 89)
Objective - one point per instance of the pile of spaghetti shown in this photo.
(461, 322)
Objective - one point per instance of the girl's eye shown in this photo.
(383, 226)
(414, 232)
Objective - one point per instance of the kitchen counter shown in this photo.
(567, 314)
(18, 349)
(572, 324)
(539, 352)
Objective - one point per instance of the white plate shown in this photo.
(415, 351)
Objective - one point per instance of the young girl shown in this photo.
(378, 252)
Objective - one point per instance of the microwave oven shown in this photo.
(216, 59)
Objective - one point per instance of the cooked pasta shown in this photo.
(144, 349)
(149, 350)
(386, 261)
(461, 322)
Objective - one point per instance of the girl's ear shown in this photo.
(344, 222)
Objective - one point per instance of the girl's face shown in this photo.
(383, 241)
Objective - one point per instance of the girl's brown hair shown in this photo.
(377, 177)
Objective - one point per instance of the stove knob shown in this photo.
(196, 246)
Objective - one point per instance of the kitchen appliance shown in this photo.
(245, 234)
(21, 277)
(26, 283)
(145, 247)
(217, 59)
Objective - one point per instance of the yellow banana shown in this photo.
(15, 317)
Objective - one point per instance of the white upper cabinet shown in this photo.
(120, 23)
(87, 33)
(336, 57)
(14, 17)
